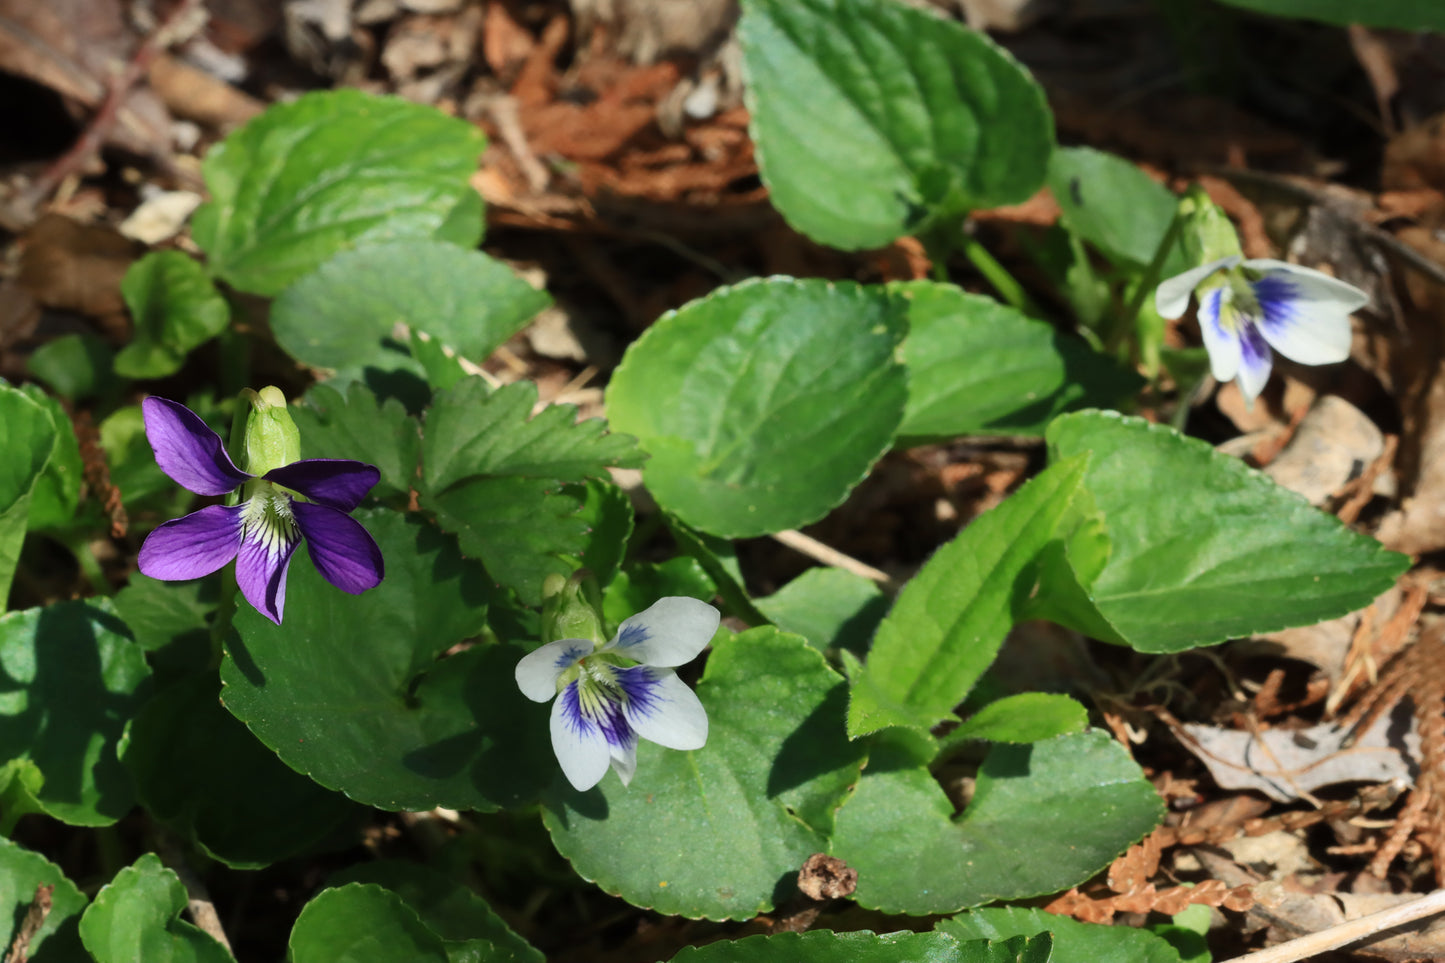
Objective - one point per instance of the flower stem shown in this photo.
(90, 567)
(998, 276)
(1149, 282)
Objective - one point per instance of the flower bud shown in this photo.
(271, 436)
(1206, 233)
(569, 611)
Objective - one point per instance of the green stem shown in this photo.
(998, 276)
(1150, 281)
(90, 567)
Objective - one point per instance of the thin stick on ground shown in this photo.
(816, 550)
(1349, 931)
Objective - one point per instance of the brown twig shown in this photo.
(1349, 931)
(34, 919)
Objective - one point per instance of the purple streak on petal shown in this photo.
(1278, 300)
(344, 553)
(338, 482)
(1255, 361)
(600, 711)
(188, 450)
(194, 545)
(261, 574)
(641, 687)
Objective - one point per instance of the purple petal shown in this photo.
(188, 450)
(261, 570)
(344, 553)
(194, 545)
(338, 482)
(1255, 361)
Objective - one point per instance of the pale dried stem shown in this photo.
(1349, 931)
(828, 555)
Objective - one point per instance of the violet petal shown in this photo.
(344, 553)
(338, 482)
(261, 571)
(188, 450)
(193, 545)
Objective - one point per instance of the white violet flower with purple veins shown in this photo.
(1248, 309)
(608, 696)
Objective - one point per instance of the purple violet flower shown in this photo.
(607, 696)
(310, 498)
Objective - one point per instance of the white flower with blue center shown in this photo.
(1248, 307)
(608, 696)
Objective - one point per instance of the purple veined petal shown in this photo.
(1255, 362)
(662, 709)
(188, 450)
(672, 631)
(339, 483)
(1221, 337)
(194, 545)
(1298, 324)
(1313, 286)
(261, 569)
(343, 551)
(624, 760)
(579, 742)
(1171, 298)
(538, 671)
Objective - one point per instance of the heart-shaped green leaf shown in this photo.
(362, 923)
(137, 917)
(176, 309)
(57, 940)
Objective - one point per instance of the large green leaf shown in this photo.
(763, 404)
(1074, 942)
(344, 314)
(27, 437)
(494, 473)
(350, 690)
(327, 172)
(199, 769)
(361, 426)
(711, 833)
(137, 917)
(825, 946)
(70, 681)
(872, 117)
(979, 367)
(176, 309)
(362, 923)
(21, 871)
(829, 607)
(1401, 14)
(1043, 817)
(948, 623)
(1203, 548)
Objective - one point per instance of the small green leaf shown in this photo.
(197, 768)
(27, 437)
(493, 474)
(176, 309)
(21, 871)
(948, 623)
(763, 404)
(979, 367)
(341, 315)
(362, 923)
(1205, 549)
(350, 690)
(361, 427)
(1399, 14)
(1026, 717)
(872, 117)
(327, 172)
(711, 833)
(825, 946)
(56, 495)
(829, 607)
(1074, 942)
(449, 909)
(172, 622)
(1115, 206)
(74, 679)
(137, 917)
(75, 366)
(130, 458)
(1044, 817)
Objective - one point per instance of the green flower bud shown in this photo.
(271, 436)
(1206, 233)
(570, 609)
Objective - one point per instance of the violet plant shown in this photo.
(405, 662)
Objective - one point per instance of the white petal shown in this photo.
(672, 631)
(1255, 362)
(624, 761)
(666, 711)
(538, 671)
(580, 745)
(1222, 343)
(1306, 314)
(1171, 298)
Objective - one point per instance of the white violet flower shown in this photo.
(609, 696)
(1248, 307)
